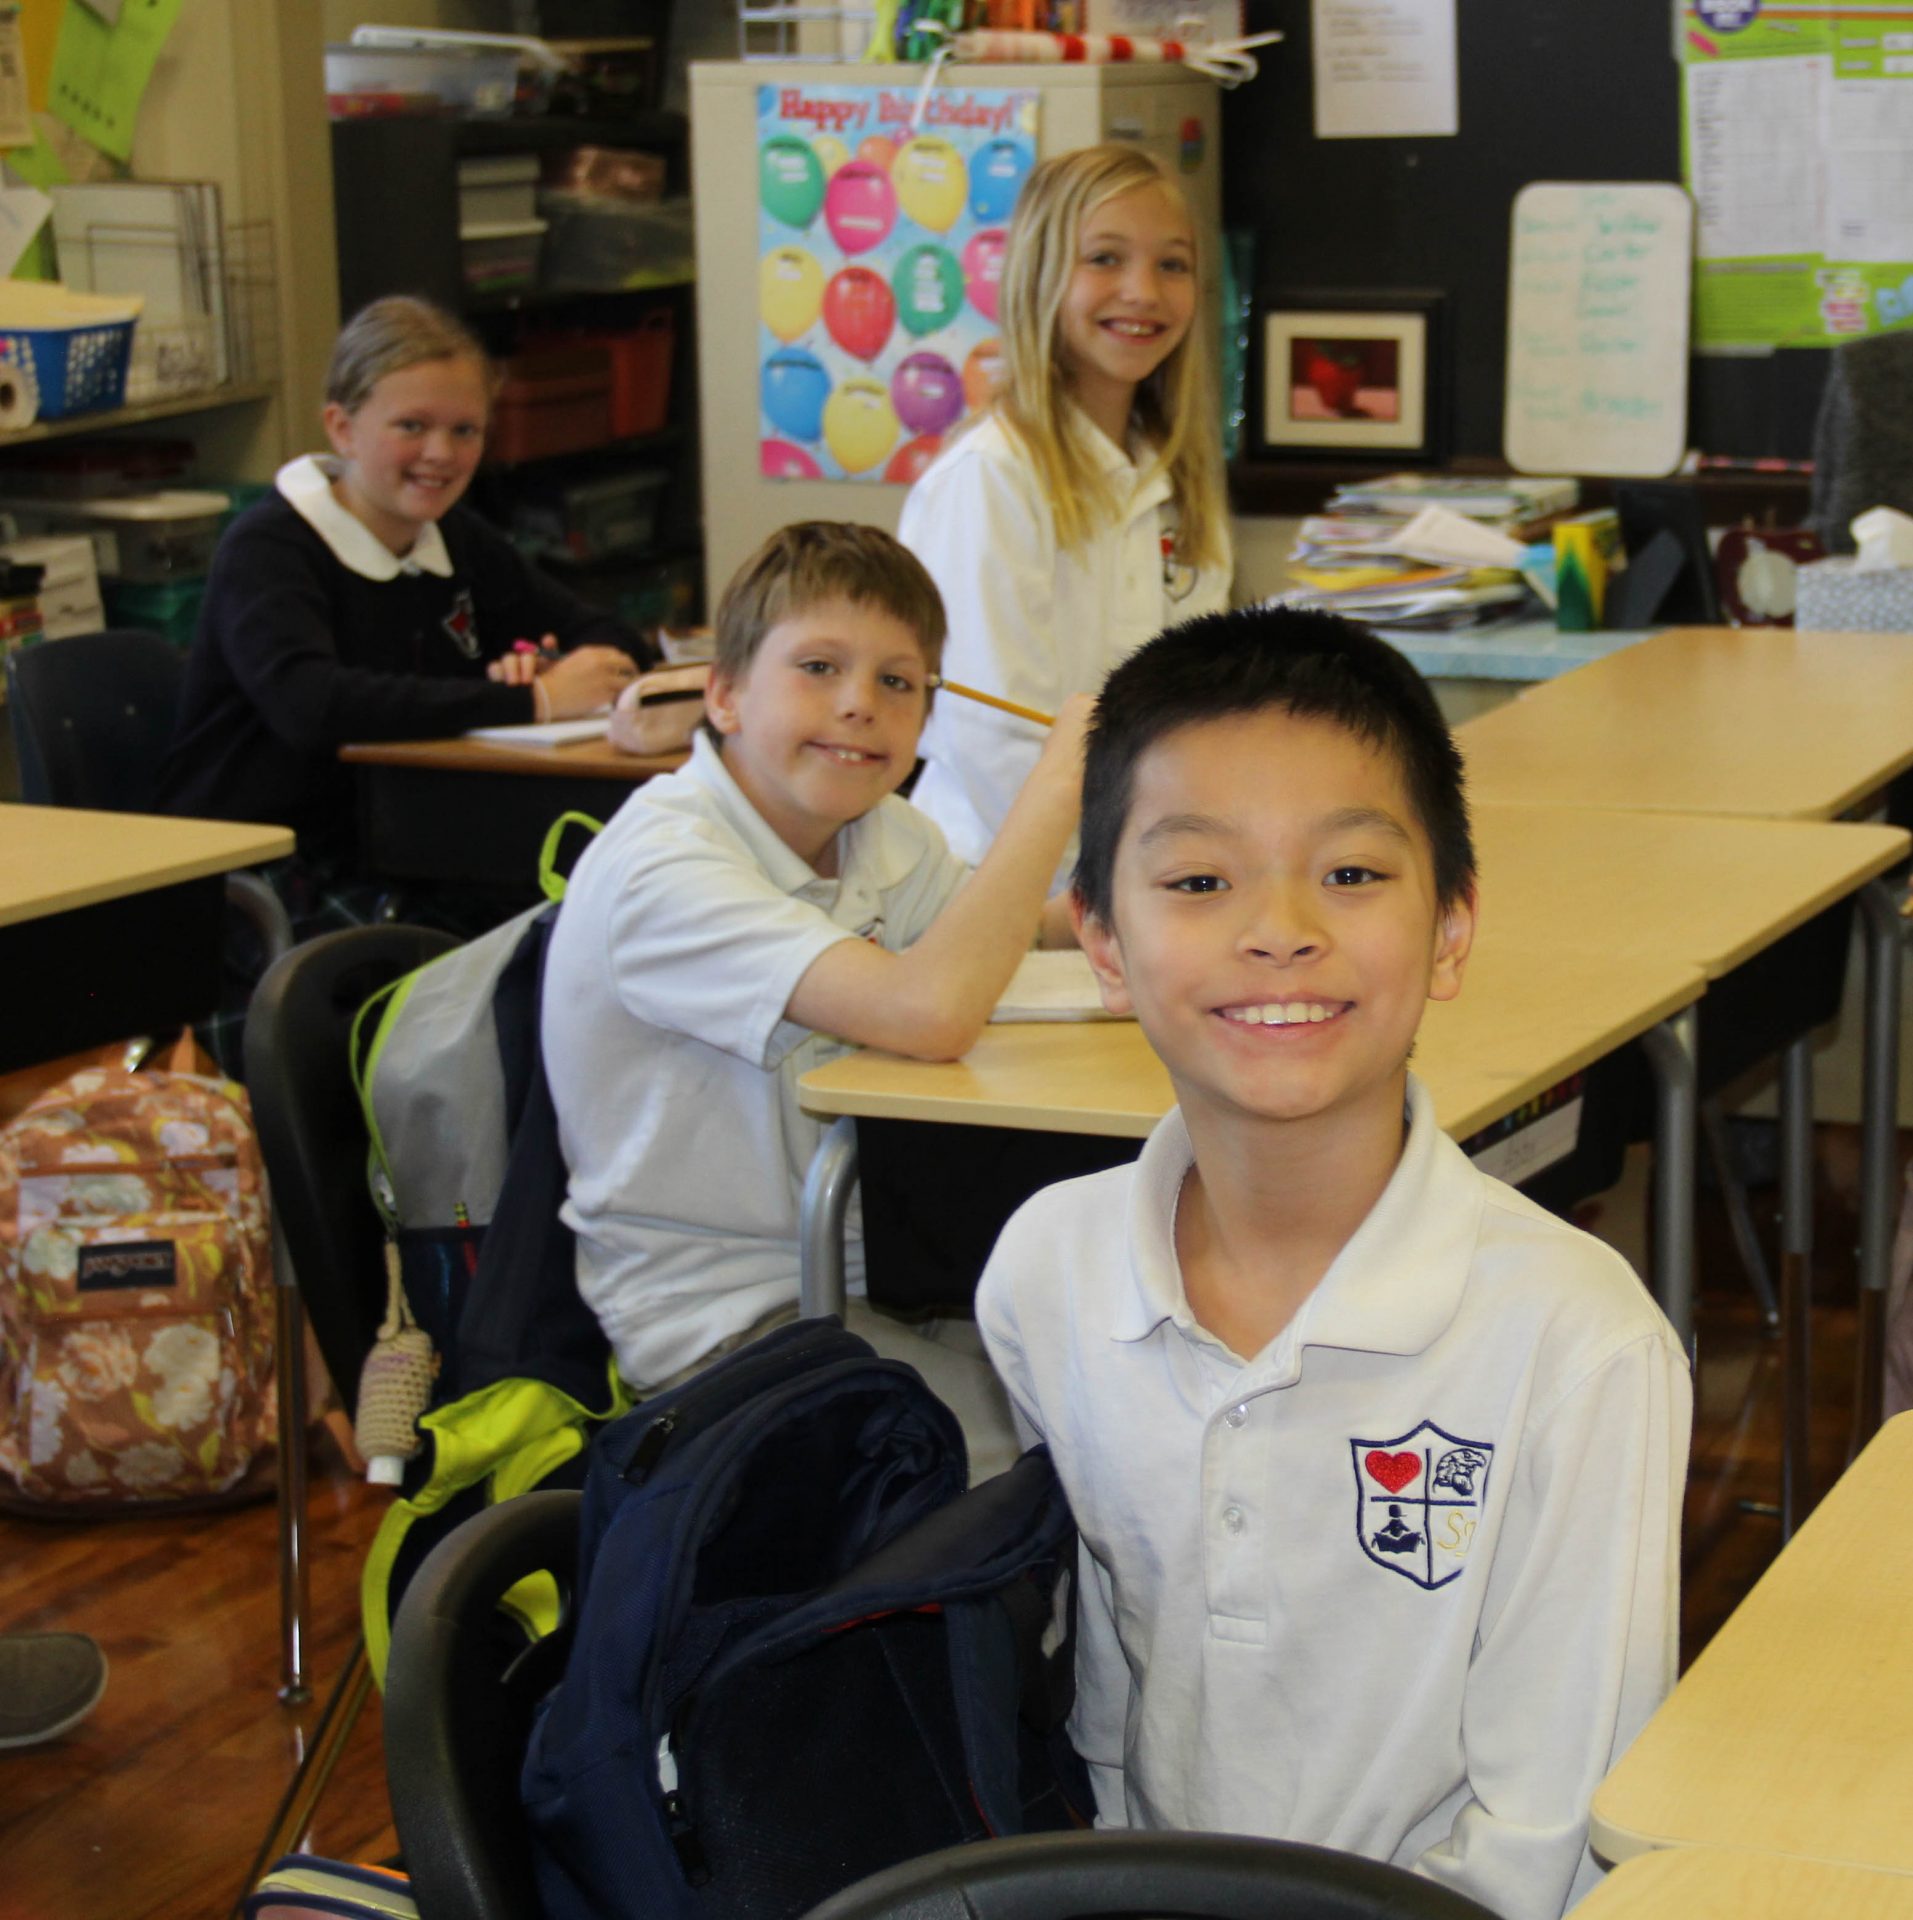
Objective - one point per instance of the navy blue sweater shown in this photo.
(296, 656)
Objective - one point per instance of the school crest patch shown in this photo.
(1418, 1501)
(461, 624)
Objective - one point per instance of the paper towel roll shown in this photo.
(19, 401)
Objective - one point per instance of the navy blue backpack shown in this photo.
(803, 1651)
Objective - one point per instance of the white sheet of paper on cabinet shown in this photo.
(1384, 68)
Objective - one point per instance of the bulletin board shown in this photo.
(1548, 90)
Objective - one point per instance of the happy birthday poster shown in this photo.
(879, 255)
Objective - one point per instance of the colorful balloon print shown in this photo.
(790, 180)
(931, 181)
(859, 311)
(795, 389)
(928, 284)
(779, 460)
(983, 270)
(860, 206)
(831, 152)
(996, 178)
(790, 291)
(878, 148)
(927, 393)
(982, 370)
(859, 424)
(907, 464)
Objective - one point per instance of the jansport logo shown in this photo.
(132, 1264)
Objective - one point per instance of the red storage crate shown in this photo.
(640, 372)
(553, 400)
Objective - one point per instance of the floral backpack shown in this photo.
(136, 1308)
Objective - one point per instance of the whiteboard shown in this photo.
(1598, 282)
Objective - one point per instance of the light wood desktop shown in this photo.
(1742, 720)
(110, 923)
(1712, 1883)
(580, 760)
(474, 812)
(1793, 1732)
(54, 859)
(1762, 722)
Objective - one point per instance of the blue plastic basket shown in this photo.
(70, 369)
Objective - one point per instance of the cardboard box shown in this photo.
(1831, 596)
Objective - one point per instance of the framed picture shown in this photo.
(1350, 374)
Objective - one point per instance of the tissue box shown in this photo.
(1831, 596)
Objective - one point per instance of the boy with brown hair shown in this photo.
(752, 915)
(1377, 1466)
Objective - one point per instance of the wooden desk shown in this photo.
(1526, 1021)
(1793, 1732)
(1760, 722)
(475, 812)
(110, 923)
(1710, 1883)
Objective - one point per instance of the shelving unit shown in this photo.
(409, 243)
(112, 419)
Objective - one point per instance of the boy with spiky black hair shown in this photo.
(1378, 1466)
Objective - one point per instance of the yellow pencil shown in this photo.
(1001, 705)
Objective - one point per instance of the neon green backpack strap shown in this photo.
(550, 881)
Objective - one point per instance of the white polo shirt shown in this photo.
(1028, 620)
(1406, 1582)
(686, 928)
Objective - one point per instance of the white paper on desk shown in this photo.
(23, 212)
(1384, 68)
(1447, 538)
(1052, 983)
(546, 733)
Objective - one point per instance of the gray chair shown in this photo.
(92, 717)
(1863, 437)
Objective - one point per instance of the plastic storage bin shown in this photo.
(143, 539)
(640, 372)
(87, 469)
(501, 258)
(552, 400)
(170, 610)
(599, 244)
(418, 79)
(66, 352)
(606, 517)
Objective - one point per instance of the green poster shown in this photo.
(1797, 144)
(100, 73)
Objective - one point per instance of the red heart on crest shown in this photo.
(1393, 1470)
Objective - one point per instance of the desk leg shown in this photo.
(1879, 1146)
(1673, 1049)
(1796, 1278)
(832, 1179)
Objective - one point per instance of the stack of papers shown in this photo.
(1416, 553)
(1052, 984)
(546, 733)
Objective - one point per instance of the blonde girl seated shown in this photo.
(1086, 510)
(361, 601)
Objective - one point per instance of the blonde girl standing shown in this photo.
(1086, 510)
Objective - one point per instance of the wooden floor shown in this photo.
(153, 1808)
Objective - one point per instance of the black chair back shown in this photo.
(92, 718)
(311, 1130)
(461, 1688)
(1199, 1876)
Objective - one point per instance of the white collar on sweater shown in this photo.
(306, 486)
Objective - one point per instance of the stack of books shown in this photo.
(1425, 553)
